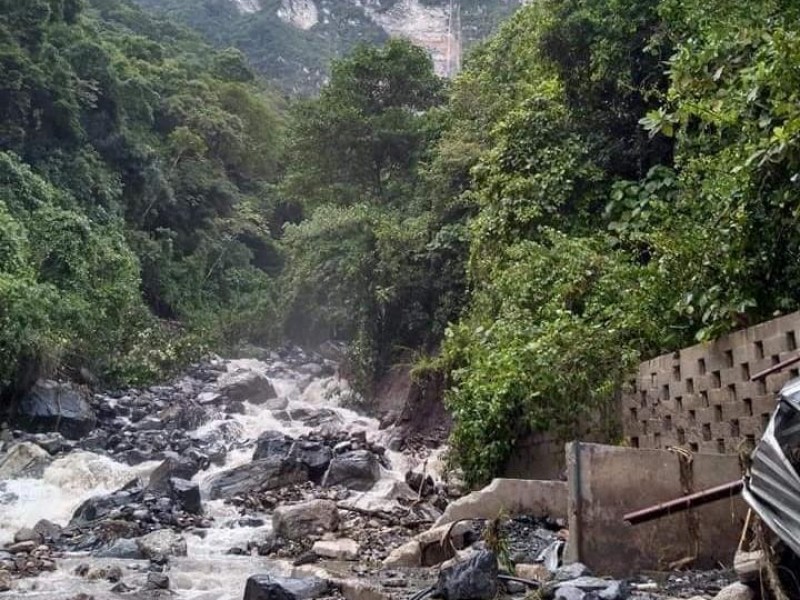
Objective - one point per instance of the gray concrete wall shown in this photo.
(701, 398)
(606, 482)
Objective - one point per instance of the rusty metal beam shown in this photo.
(685, 502)
(775, 368)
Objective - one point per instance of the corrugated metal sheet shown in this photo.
(773, 486)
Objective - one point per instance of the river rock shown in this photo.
(571, 571)
(54, 406)
(246, 386)
(316, 457)
(272, 444)
(97, 507)
(22, 459)
(259, 475)
(298, 521)
(22, 547)
(341, 549)
(171, 467)
(356, 470)
(47, 529)
(5, 580)
(735, 591)
(567, 592)
(161, 543)
(187, 494)
(606, 589)
(157, 581)
(26, 534)
(271, 587)
(474, 579)
(121, 548)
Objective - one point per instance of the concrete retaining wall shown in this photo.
(605, 482)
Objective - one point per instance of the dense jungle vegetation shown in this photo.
(606, 180)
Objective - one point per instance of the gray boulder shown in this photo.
(473, 579)
(54, 406)
(161, 543)
(171, 467)
(259, 475)
(98, 507)
(299, 521)
(571, 571)
(187, 494)
(271, 587)
(356, 470)
(315, 456)
(272, 444)
(121, 548)
(246, 386)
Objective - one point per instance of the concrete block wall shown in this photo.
(701, 398)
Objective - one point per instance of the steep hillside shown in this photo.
(293, 41)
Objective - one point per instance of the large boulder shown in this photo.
(246, 386)
(299, 521)
(98, 507)
(271, 587)
(473, 579)
(316, 457)
(356, 470)
(272, 444)
(171, 467)
(54, 406)
(121, 548)
(259, 475)
(187, 494)
(341, 549)
(24, 459)
(162, 543)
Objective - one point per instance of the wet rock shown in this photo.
(53, 443)
(187, 494)
(567, 592)
(272, 444)
(157, 581)
(306, 558)
(735, 591)
(298, 521)
(607, 589)
(53, 406)
(341, 549)
(121, 548)
(270, 587)
(121, 588)
(259, 475)
(474, 579)
(23, 459)
(100, 506)
(571, 571)
(22, 547)
(316, 457)
(26, 534)
(355, 470)
(162, 543)
(246, 386)
(47, 529)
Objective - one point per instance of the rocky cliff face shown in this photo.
(293, 41)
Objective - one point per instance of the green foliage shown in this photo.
(135, 173)
(372, 263)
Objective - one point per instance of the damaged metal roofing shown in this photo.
(772, 488)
